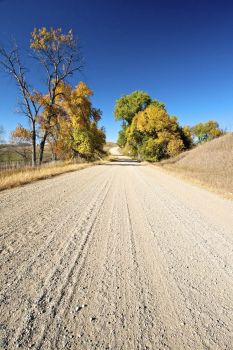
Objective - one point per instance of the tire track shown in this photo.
(53, 291)
(47, 243)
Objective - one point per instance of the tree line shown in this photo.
(61, 115)
(149, 132)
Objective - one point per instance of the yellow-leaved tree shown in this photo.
(22, 138)
(150, 133)
(158, 135)
(59, 115)
(59, 56)
(75, 130)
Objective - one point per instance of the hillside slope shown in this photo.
(210, 164)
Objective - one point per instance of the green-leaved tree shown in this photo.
(206, 131)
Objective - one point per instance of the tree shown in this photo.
(11, 62)
(122, 138)
(61, 116)
(22, 137)
(186, 136)
(75, 130)
(129, 105)
(153, 134)
(153, 149)
(206, 131)
(59, 57)
(161, 134)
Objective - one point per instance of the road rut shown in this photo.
(117, 256)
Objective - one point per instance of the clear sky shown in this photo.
(180, 52)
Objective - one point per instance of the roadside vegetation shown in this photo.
(148, 132)
(202, 153)
(13, 174)
(17, 177)
(209, 164)
(62, 126)
(60, 115)
(14, 155)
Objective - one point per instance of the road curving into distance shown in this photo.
(118, 256)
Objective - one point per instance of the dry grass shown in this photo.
(210, 164)
(18, 177)
(11, 153)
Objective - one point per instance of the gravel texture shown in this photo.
(117, 256)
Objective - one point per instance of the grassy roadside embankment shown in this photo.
(209, 165)
(17, 177)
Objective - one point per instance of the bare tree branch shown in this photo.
(12, 65)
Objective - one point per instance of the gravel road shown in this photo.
(117, 256)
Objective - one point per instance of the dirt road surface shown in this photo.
(115, 151)
(118, 256)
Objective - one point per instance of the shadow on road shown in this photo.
(120, 163)
(124, 161)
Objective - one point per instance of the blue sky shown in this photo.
(180, 52)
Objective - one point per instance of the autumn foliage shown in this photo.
(21, 135)
(74, 128)
(61, 115)
(50, 40)
(150, 133)
(206, 131)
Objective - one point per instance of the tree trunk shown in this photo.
(42, 145)
(33, 143)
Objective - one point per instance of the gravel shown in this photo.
(150, 254)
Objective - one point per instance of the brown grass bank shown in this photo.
(18, 177)
(210, 164)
